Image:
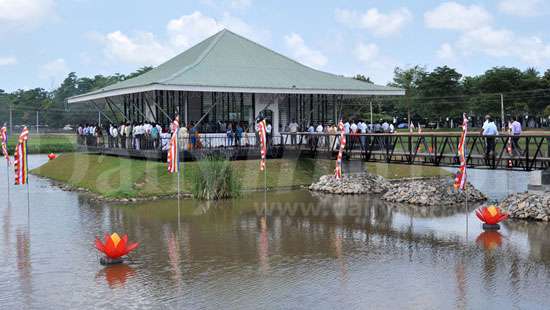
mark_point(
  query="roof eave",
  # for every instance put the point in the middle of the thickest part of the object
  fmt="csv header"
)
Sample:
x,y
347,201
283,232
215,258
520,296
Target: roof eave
x,y
231,89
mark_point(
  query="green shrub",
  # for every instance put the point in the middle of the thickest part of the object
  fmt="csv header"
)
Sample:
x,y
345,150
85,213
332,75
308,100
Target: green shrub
x,y
215,179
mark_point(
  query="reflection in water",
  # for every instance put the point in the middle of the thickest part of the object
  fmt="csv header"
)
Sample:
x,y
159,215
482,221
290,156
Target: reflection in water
x,y
116,275
6,227
338,250
460,275
263,246
301,251
23,244
174,256
489,240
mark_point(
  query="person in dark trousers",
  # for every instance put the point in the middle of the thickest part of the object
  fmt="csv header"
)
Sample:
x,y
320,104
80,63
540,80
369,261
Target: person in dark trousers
x,y
490,132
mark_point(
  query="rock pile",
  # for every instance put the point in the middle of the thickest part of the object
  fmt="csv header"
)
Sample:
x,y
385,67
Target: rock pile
x,y
528,206
361,183
432,192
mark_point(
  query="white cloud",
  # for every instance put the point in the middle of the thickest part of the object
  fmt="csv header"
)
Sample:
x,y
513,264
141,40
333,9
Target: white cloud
x,y
451,15
190,29
140,49
144,48
446,52
7,61
25,12
367,53
378,66
303,53
55,71
504,43
521,8
378,23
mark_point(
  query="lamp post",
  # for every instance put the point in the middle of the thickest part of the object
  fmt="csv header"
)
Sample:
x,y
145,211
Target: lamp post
x,y
502,110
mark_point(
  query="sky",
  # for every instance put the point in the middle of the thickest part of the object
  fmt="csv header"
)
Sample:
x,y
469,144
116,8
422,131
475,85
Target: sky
x,y
41,41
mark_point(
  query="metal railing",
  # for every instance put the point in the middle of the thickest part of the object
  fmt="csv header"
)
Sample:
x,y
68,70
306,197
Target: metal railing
x,y
523,152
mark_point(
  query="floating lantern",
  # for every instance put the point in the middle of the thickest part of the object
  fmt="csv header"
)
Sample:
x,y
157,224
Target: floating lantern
x,y
52,156
114,248
491,216
489,240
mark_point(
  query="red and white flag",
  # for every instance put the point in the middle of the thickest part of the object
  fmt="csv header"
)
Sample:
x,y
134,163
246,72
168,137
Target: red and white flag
x,y
173,150
262,133
20,163
460,178
338,170
4,133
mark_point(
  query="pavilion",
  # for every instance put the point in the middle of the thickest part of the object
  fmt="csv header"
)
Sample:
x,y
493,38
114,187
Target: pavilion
x,y
228,78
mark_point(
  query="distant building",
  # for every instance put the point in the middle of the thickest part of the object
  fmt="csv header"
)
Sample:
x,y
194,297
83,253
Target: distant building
x,y
228,78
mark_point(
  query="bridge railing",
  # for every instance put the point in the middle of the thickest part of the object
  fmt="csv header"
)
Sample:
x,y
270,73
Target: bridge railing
x,y
526,152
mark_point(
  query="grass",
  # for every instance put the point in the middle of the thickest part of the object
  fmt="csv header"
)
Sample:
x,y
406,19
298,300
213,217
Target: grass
x,y
126,178
46,143
215,179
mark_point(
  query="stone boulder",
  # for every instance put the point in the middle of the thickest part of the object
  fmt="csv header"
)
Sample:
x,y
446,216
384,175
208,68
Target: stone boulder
x,y
361,183
431,192
528,206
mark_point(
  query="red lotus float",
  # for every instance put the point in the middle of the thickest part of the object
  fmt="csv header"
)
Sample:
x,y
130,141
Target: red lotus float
x,y
114,248
52,156
491,216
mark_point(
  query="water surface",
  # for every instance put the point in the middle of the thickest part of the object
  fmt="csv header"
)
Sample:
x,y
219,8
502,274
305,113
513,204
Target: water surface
x,y
299,251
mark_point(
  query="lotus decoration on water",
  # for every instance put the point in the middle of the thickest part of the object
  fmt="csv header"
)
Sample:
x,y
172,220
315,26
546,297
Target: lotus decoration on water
x,y
491,216
114,248
52,156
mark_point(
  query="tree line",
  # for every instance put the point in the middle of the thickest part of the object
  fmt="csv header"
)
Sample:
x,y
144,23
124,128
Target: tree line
x,y
52,105
431,96
444,93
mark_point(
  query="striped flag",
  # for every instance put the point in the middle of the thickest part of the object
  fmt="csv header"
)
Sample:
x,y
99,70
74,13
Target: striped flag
x,y
173,151
460,178
20,163
263,143
338,170
4,133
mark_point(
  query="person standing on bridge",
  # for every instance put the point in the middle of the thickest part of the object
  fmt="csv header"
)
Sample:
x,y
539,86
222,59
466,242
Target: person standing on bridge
x,y
293,128
489,131
516,132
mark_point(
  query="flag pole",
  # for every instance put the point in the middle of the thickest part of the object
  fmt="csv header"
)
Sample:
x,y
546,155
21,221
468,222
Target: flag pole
x,y
8,178
27,183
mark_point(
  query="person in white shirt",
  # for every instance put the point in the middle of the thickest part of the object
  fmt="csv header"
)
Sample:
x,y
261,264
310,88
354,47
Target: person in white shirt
x,y
319,130
392,128
346,127
268,132
293,128
353,127
489,131
113,133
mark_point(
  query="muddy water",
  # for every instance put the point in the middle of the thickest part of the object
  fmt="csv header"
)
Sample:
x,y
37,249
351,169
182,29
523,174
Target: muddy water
x,y
299,251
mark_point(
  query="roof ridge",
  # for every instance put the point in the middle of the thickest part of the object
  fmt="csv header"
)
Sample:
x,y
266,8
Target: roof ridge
x,y
284,56
201,57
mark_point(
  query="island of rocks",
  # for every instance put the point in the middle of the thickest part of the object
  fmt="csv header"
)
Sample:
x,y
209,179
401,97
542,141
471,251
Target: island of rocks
x,y
527,206
424,192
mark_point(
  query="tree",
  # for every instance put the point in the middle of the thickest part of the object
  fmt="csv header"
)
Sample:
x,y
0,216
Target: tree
x,y
361,77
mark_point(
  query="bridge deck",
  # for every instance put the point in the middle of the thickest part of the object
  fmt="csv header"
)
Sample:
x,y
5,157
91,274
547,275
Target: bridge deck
x,y
525,152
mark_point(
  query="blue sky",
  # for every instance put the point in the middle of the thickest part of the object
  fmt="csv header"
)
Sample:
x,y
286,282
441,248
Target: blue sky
x,y
42,40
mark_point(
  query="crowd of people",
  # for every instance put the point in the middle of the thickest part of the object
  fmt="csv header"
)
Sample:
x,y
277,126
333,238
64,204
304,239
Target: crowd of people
x,y
352,129
149,135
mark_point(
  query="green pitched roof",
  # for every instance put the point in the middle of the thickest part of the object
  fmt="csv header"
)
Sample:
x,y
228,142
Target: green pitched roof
x,y
229,61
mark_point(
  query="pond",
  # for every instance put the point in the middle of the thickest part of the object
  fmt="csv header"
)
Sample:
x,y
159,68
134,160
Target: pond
x,y
299,251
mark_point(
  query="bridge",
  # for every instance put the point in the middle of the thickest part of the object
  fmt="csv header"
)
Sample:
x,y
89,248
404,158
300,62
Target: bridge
x,y
529,151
